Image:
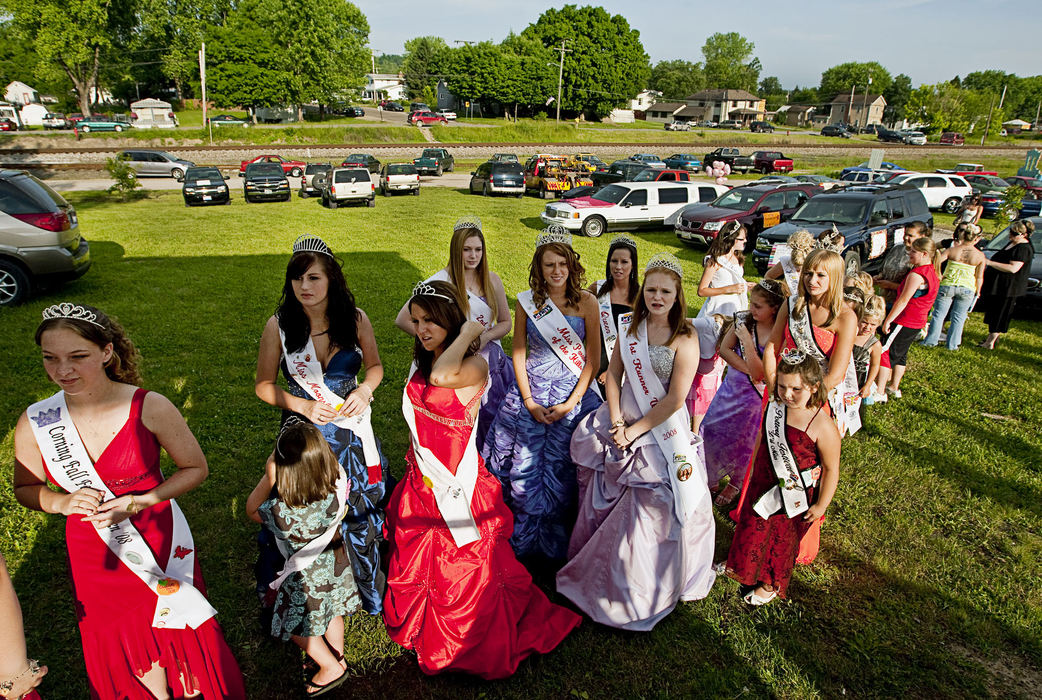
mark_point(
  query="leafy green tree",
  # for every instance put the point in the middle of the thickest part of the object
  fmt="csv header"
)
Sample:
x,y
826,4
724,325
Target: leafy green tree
x,y
245,67
17,56
178,27
529,79
426,60
896,96
607,64
677,79
74,37
771,86
944,107
804,96
729,62
389,63
838,80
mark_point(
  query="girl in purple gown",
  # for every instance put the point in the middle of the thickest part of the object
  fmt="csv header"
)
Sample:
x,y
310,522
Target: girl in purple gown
x,y
733,420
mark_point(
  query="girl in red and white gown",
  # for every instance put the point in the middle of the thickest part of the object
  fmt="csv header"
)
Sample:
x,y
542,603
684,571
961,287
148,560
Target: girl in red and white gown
x,y
467,607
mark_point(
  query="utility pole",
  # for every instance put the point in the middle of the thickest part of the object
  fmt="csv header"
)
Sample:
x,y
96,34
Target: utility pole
x,y
1037,111
560,76
850,107
202,79
864,103
1003,98
987,127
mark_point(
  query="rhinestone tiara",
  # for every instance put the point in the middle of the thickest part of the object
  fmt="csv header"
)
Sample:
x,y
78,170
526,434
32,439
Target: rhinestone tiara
x,y
423,289
467,222
772,286
290,422
666,261
793,356
74,312
310,243
554,233
623,239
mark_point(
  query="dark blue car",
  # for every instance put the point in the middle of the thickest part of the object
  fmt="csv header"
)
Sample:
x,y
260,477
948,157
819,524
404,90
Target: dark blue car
x,y
991,201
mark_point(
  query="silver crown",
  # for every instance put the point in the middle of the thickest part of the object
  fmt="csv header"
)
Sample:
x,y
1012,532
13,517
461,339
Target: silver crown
x,y
467,222
74,312
666,261
793,356
829,240
623,239
422,289
771,286
310,243
850,296
290,422
554,233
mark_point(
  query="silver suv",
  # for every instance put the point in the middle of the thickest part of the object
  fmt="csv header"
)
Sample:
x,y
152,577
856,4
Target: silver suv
x,y
40,238
347,185
156,164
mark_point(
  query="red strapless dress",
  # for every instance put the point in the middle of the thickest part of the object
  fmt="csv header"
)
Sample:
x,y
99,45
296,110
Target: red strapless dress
x,y
115,608
473,608
811,541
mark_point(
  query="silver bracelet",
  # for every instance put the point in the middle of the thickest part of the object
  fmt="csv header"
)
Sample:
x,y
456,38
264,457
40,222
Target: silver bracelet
x,y
33,667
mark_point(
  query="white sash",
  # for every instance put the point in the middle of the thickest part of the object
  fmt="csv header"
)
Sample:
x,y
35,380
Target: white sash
x,y
673,435
739,318
480,311
791,491
178,603
553,327
792,275
452,492
306,555
844,410
307,373
609,334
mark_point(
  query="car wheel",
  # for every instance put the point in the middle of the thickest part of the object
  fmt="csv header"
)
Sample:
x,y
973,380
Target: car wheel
x,y
295,172
304,194
228,202
247,198
451,168
485,191
118,128
951,205
331,203
85,129
439,171
178,174
14,284
371,202
594,226
851,262
187,203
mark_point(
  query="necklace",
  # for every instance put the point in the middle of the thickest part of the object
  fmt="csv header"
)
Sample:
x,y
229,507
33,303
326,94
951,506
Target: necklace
x,y
315,335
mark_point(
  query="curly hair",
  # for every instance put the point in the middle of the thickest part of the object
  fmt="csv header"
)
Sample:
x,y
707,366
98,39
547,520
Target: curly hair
x,y
800,244
123,365
576,274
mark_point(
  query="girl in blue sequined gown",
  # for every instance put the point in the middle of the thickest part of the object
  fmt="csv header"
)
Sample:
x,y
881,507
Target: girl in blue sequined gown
x,y
527,444
316,305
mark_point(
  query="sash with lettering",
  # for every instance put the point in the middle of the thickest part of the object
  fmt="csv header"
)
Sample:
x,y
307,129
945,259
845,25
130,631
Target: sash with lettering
x,y
844,410
790,493
740,319
452,492
609,333
307,373
673,435
306,555
178,603
553,327
480,311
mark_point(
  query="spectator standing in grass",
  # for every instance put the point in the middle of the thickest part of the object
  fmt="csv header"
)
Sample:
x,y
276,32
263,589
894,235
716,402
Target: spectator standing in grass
x,y
960,286
1006,279
321,341
895,265
970,212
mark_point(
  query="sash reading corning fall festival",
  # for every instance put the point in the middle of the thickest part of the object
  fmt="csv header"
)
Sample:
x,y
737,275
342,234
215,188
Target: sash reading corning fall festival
x,y
178,603
673,435
555,330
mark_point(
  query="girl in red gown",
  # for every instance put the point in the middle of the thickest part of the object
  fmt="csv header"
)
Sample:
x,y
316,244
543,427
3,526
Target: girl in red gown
x,y
122,428
766,539
456,594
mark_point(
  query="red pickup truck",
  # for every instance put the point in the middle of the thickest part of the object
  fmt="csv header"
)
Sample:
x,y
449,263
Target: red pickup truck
x,y
771,162
293,168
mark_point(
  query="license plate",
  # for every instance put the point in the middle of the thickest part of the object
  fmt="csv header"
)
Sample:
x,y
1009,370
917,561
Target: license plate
x,y
267,191
207,198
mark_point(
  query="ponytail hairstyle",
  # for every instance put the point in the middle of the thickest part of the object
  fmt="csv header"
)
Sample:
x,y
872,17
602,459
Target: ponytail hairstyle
x,y
832,264
809,371
800,244
634,282
1022,227
855,300
966,233
305,468
926,245
724,242
457,272
103,330
444,311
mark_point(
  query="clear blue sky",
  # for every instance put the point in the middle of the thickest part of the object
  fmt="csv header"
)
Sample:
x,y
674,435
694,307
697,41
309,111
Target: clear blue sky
x,y
929,40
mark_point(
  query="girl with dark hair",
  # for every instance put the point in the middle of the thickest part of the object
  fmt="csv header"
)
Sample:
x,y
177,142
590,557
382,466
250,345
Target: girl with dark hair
x,y
146,626
321,342
1006,279
527,447
644,537
616,294
482,298
316,588
723,281
792,482
456,594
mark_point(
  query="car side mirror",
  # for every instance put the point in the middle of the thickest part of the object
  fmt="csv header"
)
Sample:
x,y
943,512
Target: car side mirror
x,y
473,173
626,204
225,176
761,209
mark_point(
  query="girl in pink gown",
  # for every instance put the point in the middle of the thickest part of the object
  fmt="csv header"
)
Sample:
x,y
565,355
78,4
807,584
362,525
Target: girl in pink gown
x,y
456,593
90,358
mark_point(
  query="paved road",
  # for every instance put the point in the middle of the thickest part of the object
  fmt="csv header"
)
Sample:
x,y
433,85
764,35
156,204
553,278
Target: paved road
x,y
457,180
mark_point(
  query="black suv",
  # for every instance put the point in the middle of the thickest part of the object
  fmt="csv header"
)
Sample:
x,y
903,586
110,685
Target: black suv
x,y
761,127
619,171
835,130
872,219
265,181
889,135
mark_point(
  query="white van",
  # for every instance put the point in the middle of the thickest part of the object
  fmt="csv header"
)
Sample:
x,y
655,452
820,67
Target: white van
x,y
629,205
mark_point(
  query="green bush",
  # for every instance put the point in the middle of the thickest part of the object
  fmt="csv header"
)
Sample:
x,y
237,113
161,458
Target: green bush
x,y
125,178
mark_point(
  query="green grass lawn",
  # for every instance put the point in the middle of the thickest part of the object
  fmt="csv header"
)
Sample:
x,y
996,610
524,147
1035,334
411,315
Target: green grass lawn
x,y
927,584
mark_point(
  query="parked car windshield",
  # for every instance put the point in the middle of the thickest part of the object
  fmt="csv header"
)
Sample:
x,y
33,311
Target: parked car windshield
x,y
823,210
401,169
507,168
739,199
612,194
203,174
264,170
351,176
317,168
428,153
648,175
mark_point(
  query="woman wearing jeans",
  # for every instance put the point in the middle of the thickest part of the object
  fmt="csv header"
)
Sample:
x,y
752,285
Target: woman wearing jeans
x,y
960,286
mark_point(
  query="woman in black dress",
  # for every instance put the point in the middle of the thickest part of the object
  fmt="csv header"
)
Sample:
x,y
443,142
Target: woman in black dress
x,y
1006,279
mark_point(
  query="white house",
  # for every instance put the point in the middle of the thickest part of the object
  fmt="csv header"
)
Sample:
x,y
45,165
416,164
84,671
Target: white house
x,y
383,86
33,114
644,99
18,92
